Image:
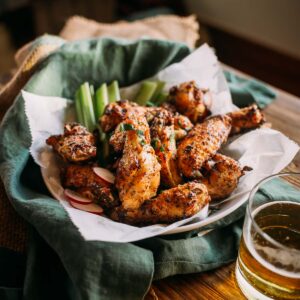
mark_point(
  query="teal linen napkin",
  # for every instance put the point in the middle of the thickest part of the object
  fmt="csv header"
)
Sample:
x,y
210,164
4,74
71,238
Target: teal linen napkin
x,y
97,270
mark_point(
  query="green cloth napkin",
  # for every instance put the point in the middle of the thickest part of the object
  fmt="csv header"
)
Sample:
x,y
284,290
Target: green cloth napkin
x,y
60,264
246,91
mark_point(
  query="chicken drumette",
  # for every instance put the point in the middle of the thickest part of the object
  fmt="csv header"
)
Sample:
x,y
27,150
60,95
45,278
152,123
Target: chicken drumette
x,y
221,176
169,206
75,145
201,143
191,101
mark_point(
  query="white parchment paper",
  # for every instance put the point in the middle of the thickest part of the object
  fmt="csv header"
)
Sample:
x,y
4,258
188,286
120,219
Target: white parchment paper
x,y
267,151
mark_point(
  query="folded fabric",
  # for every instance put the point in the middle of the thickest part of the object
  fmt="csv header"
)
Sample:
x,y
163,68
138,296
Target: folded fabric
x,y
245,91
97,270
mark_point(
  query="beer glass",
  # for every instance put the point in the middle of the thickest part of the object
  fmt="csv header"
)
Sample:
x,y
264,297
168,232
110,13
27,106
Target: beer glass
x,y
268,265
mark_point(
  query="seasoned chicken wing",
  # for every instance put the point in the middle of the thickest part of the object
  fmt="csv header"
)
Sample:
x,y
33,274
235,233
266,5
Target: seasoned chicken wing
x,y
164,144
119,111
222,175
138,172
75,145
104,196
190,101
77,176
201,143
171,205
246,118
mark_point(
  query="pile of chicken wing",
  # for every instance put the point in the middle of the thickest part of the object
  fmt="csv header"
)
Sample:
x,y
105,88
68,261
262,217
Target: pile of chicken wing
x,y
166,159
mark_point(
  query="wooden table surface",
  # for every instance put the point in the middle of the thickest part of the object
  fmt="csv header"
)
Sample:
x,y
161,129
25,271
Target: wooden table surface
x,y
284,114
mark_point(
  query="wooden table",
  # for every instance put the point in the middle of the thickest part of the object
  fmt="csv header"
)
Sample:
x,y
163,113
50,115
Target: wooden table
x,y
284,114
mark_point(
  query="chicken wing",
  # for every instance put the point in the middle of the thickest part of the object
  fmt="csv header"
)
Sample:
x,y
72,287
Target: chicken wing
x,y
246,118
104,196
201,143
164,144
75,145
77,176
119,111
171,205
222,175
138,172
189,100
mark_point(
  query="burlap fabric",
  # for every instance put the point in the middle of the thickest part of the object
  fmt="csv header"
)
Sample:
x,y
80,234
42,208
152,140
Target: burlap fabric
x,y
13,233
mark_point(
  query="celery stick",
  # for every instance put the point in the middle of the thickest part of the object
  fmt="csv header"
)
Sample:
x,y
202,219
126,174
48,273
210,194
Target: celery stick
x,y
158,90
87,106
92,90
114,91
145,93
161,98
101,100
78,108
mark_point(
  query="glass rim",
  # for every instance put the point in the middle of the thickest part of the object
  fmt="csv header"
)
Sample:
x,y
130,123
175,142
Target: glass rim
x,y
249,205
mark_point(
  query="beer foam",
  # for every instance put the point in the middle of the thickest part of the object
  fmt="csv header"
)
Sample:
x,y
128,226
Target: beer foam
x,y
275,255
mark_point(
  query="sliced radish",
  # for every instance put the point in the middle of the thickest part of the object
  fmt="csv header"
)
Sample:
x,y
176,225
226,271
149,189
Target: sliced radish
x,y
91,208
75,197
104,174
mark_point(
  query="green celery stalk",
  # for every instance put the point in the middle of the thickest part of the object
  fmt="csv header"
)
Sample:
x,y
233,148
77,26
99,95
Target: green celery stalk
x,y
78,108
161,98
92,90
114,91
87,106
101,100
158,90
145,93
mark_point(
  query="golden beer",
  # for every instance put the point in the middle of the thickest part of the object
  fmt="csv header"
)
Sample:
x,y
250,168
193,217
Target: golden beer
x,y
270,268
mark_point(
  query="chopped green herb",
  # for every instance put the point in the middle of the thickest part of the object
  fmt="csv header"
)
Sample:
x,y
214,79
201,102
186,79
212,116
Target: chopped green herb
x,y
162,149
126,127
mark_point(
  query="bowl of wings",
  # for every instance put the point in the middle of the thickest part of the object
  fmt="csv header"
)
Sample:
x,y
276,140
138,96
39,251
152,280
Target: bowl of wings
x,y
161,163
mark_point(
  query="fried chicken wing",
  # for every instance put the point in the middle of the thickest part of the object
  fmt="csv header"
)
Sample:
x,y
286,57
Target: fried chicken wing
x,y
138,172
201,143
171,205
77,176
222,175
164,144
119,111
189,100
75,145
104,196
246,118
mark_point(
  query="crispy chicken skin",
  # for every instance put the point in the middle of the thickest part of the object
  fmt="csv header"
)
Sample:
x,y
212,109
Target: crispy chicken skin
x,y
171,205
189,100
164,144
119,111
75,145
222,175
246,118
104,196
201,143
138,172
77,176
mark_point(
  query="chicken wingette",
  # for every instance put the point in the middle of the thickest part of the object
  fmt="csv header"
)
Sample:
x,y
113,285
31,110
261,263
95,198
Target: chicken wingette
x,y
164,144
75,145
169,206
85,182
246,118
138,171
189,100
201,143
221,176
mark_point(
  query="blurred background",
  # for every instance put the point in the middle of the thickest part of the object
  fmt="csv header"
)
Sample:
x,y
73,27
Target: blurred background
x,y
258,37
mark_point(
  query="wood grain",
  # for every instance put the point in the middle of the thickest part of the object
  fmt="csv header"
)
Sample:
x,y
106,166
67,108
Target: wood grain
x,y
284,114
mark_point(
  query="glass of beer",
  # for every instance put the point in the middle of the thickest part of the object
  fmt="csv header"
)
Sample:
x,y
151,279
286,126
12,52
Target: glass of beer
x,y
268,265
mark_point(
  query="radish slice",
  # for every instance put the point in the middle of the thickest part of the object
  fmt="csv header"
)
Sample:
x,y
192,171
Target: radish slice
x,y
91,208
104,174
75,197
